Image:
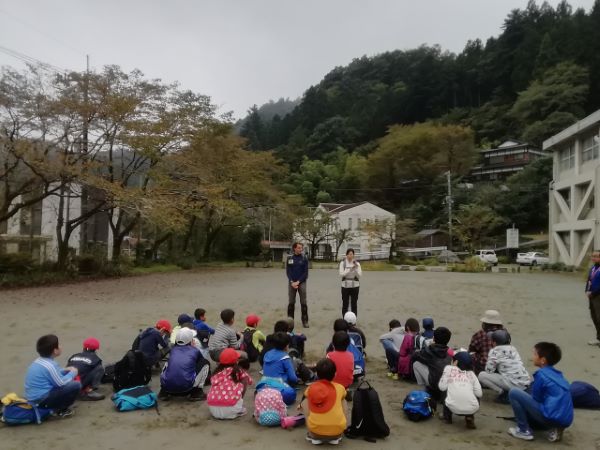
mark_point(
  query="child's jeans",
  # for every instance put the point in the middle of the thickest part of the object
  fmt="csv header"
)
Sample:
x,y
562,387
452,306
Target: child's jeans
x,y
93,378
528,412
391,355
61,398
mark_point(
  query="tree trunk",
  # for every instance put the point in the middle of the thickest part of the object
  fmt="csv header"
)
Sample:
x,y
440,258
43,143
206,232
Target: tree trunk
x,y
158,242
188,235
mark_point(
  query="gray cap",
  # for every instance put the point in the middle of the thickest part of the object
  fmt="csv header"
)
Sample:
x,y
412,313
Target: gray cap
x,y
500,337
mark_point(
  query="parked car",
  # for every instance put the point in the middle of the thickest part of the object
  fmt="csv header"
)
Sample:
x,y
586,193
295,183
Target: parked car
x,y
487,256
532,259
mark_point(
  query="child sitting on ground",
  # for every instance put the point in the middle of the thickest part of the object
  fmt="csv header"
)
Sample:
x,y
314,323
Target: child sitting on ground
x,y
412,342
391,343
281,326
186,371
225,336
428,328
297,341
354,332
343,359
200,321
504,369
324,406
154,342
89,368
359,360
47,384
254,339
182,320
277,362
269,407
463,389
430,362
228,385
550,405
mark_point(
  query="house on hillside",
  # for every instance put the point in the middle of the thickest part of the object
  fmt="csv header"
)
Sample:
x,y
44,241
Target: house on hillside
x,y
352,217
574,219
429,238
508,158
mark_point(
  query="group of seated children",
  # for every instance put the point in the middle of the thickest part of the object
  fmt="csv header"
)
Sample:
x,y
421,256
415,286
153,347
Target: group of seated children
x,y
456,377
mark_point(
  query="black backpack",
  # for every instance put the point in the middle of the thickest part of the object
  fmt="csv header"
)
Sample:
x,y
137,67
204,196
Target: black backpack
x,y
131,371
367,415
248,346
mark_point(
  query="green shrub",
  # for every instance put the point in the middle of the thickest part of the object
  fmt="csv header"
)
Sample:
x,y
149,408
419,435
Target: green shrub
x,y
186,263
430,262
16,263
89,264
504,260
420,268
558,267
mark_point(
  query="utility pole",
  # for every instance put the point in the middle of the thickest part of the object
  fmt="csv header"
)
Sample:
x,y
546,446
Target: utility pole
x,y
449,203
85,150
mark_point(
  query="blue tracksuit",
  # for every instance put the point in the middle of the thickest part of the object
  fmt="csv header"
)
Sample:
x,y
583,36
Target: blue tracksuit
x,y
593,282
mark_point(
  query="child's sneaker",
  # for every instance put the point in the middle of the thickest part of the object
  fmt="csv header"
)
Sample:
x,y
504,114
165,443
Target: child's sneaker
x,y
390,374
335,441
555,435
163,395
197,395
517,433
64,413
313,441
395,377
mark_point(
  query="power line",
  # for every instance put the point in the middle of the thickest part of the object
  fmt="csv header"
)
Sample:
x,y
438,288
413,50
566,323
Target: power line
x,y
34,61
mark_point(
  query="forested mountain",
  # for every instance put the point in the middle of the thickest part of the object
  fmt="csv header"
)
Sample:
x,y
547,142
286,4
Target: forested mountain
x,y
541,74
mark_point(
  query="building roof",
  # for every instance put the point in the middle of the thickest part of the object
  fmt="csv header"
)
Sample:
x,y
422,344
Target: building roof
x,y
429,232
276,244
583,125
508,145
339,207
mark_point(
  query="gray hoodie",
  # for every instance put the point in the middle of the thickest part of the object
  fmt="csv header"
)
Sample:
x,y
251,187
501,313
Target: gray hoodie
x,y
505,360
396,336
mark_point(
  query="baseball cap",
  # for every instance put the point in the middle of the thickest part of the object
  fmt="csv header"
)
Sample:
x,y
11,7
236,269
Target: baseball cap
x,y
185,336
228,357
252,320
164,324
91,343
184,318
500,337
464,360
321,396
350,318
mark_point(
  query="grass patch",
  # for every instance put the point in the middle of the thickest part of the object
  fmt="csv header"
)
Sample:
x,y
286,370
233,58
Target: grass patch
x,y
224,264
382,266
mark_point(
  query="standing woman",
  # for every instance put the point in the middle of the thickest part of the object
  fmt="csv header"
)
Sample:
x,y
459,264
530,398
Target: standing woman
x,y
350,271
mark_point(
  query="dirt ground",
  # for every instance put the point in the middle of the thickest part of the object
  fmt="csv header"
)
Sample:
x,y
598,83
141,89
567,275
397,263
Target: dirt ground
x,y
534,306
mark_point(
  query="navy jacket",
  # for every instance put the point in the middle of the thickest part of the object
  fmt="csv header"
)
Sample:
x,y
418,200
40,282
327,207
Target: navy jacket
x,y
181,370
593,284
149,342
297,268
84,362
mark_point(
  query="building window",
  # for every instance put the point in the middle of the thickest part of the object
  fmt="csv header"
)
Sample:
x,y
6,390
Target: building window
x,y
349,223
567,158
519,156
590,148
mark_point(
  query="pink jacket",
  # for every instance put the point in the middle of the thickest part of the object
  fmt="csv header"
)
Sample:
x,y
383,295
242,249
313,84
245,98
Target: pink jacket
x,y
405,355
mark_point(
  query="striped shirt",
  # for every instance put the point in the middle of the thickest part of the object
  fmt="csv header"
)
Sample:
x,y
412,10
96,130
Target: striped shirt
x,y
43,375
224,337
505,360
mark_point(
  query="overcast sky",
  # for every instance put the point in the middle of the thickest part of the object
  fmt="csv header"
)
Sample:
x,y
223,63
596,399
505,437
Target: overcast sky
x,y
240,52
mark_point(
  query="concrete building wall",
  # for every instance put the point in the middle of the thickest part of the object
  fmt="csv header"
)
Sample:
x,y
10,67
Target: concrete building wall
x,y
50,212
574,215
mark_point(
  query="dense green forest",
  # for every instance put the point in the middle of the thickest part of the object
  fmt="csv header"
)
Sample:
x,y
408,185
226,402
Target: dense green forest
x,y
352,136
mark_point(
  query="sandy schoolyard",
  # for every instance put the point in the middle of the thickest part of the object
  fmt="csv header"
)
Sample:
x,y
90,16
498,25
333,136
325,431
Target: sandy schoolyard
x,y
534,307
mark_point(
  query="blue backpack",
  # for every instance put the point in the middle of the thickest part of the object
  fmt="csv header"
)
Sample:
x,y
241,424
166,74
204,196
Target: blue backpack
x,y
584,395
139,397
359,360
22,413
417,406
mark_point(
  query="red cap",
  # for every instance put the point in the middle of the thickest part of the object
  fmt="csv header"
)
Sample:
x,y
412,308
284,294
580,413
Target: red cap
x,y
229,357
252,320
91,343
163,324
321,396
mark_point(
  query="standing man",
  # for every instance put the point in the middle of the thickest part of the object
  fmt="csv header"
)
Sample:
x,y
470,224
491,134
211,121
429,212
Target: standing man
x,y
592,290
297,274
350,271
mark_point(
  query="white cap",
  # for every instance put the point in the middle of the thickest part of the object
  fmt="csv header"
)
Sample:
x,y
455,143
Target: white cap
x,y
350,318
185,336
